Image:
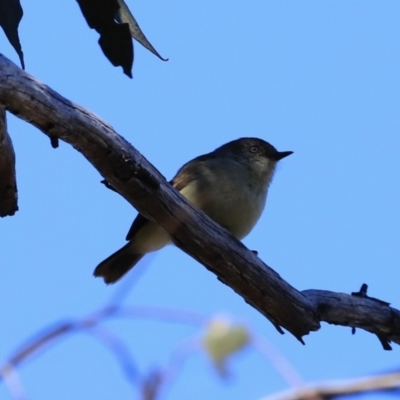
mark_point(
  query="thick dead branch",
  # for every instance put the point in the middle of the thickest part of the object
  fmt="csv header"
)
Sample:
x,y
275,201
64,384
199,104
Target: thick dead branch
x,y
144,187
8,183
384,383
370,314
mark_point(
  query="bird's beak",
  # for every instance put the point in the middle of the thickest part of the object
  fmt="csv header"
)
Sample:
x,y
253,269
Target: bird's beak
x,y
281,154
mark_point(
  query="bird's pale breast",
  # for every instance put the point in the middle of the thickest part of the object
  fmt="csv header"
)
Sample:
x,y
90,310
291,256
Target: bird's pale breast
x,y
232,203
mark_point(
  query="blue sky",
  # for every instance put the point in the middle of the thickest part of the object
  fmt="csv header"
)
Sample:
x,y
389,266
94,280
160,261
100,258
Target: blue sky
x,y
320,78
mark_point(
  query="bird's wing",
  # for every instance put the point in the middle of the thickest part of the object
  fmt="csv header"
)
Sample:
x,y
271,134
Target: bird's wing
x,y
140,221
182,179
189,172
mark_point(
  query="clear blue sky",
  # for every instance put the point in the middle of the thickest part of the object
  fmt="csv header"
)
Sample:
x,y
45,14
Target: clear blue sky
x,y
320,78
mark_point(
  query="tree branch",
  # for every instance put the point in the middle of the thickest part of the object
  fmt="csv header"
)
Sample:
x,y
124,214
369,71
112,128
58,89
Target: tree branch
x,y
147,190
389,383
8,183
370,314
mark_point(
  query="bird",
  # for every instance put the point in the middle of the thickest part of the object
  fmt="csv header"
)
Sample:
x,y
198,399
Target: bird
x,y
229,184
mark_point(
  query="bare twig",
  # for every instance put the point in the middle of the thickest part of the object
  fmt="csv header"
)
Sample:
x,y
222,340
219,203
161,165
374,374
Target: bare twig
x,y
278,361
123,290
158,381
90,324
14,385
8,182
120,350
43,340
161,314
385,383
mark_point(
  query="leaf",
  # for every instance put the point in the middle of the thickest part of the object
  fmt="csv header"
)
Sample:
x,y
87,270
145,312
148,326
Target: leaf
x,y
10,16
222,340
125,15
115,39
117,46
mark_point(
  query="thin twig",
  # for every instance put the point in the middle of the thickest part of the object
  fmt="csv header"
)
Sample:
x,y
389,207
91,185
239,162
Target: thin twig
x,y
385,383
48,336
130,281
278,361
14,385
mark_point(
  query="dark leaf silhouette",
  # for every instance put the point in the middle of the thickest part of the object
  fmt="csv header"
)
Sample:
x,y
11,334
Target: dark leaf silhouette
x,y
115,39
10,16
117,46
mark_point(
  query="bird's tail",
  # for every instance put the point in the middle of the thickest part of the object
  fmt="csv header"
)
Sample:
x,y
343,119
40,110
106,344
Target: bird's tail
x,y
118,264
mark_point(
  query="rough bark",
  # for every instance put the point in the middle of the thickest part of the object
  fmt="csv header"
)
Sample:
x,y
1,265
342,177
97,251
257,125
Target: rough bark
x,y
8,183
192,231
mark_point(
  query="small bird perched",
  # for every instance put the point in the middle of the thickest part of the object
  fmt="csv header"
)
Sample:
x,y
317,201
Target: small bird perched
x,y
229,184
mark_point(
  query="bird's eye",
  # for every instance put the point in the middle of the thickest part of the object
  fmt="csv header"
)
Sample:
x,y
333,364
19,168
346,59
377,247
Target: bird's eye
x,y
253,149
